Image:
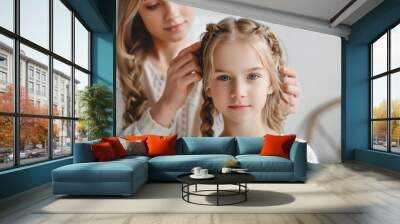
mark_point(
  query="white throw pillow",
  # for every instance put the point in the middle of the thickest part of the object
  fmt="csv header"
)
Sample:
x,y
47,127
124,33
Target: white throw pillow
x,y
134,147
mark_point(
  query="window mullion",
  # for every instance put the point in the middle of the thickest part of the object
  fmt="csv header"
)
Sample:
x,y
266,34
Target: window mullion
x,y
389,106
50,81
73,82
16,84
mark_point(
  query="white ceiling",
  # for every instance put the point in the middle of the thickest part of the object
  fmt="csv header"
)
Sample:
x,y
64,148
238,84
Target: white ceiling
x,y
314,15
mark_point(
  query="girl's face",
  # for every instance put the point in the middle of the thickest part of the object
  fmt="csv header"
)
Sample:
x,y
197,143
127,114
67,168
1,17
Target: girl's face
x,y
240,83
165,20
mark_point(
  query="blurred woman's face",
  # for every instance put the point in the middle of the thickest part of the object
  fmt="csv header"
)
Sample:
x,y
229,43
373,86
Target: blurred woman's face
x,y
165,20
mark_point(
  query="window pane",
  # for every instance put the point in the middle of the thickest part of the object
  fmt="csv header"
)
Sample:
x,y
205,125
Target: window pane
x,y
395,94
379,135
81,131
62,29
62,138
395,136
34,97
7,14
35,21
81,45
379,55
6,74
395,47
379,100
33,140
62,89
6,142
81,81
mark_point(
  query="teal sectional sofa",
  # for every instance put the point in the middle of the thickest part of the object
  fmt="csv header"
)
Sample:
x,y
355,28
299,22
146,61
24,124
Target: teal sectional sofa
x,y
125,176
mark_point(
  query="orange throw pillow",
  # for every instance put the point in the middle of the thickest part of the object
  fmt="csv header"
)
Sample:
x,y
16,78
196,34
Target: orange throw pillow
x,y
116,145
161,145
136,137
277,145
103,151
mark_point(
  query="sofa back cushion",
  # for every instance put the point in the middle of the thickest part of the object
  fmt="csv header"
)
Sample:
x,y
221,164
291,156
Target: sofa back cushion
x,y
249,145
206,145
83,152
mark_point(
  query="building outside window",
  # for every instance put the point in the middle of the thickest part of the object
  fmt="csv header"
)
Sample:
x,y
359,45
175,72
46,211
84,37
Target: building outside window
x,y
43,78
43,90
3,61
30,87
3,78
38,89
3,72
30,72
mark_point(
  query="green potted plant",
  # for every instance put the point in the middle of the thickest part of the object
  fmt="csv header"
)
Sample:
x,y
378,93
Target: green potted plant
x,y
96,103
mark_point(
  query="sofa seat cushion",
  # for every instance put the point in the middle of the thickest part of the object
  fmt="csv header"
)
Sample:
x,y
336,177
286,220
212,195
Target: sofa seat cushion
x,y
257,163
111,171
133,158
185,163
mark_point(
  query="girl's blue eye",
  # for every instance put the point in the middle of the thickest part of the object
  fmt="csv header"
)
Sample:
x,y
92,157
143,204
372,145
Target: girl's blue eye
x,y
253,76
223,78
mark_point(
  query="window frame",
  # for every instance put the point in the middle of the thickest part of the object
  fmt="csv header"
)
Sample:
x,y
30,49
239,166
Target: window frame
x,y
16,115
388,74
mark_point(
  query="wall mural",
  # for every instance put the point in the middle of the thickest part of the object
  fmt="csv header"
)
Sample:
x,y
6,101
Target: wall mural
x,y
195,72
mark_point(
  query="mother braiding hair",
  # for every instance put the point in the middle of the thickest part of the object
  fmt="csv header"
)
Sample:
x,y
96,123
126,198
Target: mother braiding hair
x,y
133,43
268,48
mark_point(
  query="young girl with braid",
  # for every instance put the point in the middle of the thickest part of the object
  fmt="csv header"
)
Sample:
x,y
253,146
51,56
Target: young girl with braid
x,y
159,82
241,60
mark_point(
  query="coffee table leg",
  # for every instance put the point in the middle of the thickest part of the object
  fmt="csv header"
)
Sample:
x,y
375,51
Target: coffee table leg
x,y
196,188
217,194
245,191
188,189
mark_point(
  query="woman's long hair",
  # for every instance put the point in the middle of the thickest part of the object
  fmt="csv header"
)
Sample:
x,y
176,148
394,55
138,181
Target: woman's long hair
x,y
268,48
133,42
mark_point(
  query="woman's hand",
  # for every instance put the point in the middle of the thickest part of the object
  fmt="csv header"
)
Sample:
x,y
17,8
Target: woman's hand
x,y
182,74
291,90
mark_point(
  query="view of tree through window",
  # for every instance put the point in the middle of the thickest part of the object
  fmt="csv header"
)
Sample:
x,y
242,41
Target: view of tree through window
x,y
40,124
385,91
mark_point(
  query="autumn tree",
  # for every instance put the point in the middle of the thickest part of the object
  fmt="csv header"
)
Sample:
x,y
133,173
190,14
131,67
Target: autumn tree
x,y
33,131
380,127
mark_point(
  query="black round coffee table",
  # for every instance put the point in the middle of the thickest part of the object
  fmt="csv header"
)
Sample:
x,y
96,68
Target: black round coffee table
x,y
238,179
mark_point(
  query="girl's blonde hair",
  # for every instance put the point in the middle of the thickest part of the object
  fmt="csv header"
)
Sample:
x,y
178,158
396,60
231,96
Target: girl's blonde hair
x,y
133,43
268,48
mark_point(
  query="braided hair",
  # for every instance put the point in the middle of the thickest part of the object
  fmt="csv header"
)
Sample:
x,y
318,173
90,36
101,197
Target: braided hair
x,y
268,48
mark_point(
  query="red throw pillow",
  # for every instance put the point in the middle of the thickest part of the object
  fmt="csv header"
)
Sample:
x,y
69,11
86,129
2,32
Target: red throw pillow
x,y
277,145
116,145
103,151
161,145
